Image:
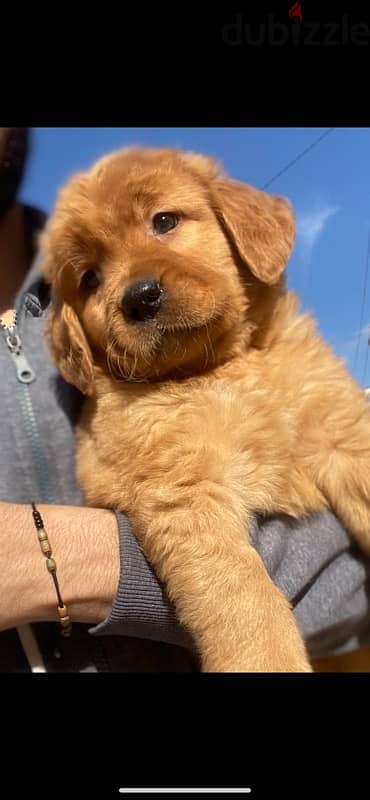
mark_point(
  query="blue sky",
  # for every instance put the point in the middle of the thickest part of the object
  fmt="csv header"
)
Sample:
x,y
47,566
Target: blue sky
x,y
329,188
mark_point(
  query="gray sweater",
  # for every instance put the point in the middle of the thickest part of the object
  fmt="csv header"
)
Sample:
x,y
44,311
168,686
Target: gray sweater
x,y
313,561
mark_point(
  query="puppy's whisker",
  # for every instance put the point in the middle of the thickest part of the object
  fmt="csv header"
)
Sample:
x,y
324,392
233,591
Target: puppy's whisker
x,y
114,360
144,358
210,346
120,367
205,364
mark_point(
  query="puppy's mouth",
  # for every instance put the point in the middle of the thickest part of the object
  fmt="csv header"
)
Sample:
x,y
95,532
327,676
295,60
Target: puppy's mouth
x,y
153,335
153,348
180,326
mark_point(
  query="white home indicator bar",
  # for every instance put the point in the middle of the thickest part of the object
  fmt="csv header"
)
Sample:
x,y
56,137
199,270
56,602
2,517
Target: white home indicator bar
x,y
188,790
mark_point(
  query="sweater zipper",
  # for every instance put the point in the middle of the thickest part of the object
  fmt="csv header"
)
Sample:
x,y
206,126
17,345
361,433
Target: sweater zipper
x,y
25,373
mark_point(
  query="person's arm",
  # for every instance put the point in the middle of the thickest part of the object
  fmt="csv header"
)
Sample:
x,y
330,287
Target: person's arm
x,y
85,547
105,581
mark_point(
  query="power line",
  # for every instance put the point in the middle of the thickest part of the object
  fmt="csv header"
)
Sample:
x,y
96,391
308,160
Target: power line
x,y
364,290
282,172
365,367
298,157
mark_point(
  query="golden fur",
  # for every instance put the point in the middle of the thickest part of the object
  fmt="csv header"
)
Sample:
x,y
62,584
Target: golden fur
x,y
225,404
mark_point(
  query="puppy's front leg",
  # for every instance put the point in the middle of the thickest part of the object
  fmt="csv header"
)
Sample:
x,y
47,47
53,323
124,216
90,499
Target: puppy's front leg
x,y
337,456
239,619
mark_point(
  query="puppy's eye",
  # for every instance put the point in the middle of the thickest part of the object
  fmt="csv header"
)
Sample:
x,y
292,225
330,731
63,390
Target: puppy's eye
x,y
90,280
164,221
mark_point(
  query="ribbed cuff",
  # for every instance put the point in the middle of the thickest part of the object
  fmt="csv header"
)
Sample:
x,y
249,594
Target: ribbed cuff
x,y
141,607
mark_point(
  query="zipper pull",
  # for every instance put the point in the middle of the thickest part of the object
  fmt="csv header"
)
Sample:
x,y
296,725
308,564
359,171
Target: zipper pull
x,y
25,373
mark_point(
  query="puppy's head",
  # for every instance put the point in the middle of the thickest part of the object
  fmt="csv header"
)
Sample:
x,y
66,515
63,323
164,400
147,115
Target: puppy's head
x,y
157,264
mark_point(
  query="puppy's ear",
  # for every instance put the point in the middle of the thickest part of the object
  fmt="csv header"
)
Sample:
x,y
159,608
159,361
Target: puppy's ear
x,y
69,347
261,226
66,339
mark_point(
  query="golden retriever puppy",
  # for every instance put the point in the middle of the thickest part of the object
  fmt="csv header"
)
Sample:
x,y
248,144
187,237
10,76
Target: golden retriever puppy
x,y
209,396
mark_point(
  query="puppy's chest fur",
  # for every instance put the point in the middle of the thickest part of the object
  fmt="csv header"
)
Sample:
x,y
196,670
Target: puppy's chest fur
x,y
166,443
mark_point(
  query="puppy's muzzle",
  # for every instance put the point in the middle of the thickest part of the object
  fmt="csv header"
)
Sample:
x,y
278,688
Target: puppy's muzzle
x,y
142,300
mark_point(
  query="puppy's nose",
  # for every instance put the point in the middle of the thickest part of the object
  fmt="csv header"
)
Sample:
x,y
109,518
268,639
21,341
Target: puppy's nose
x,y
142,300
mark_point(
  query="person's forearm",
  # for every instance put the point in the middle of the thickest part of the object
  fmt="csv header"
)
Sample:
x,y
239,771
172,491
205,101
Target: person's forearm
x,y
85,546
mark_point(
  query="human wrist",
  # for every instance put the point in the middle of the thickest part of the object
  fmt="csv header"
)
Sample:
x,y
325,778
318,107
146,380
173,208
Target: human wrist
x,y
85,548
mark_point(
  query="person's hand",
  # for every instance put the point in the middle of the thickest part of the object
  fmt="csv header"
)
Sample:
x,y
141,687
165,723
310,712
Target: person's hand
x,y
85,546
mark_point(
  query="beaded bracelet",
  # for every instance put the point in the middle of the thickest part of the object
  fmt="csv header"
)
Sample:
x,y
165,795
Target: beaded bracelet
x,y
64,618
